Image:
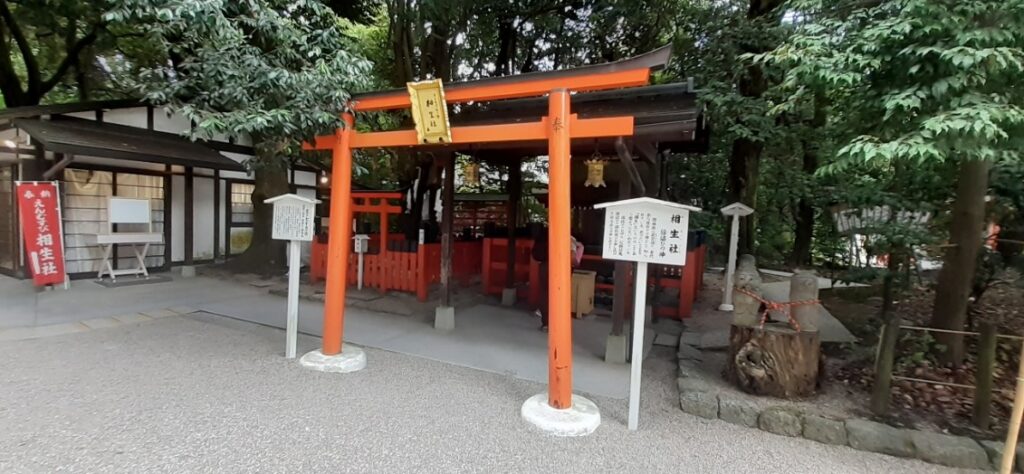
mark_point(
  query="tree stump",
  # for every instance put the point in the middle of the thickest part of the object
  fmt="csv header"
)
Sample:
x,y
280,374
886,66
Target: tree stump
x,y
776,361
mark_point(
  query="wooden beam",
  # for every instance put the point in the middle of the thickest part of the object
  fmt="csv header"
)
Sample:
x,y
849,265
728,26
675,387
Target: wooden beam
x,y
59,166
216,214
515,185
627,162
447,225
512,132
189,215
399,99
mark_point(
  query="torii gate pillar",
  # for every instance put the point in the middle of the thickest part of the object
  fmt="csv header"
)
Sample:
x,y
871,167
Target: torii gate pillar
x,y
559,412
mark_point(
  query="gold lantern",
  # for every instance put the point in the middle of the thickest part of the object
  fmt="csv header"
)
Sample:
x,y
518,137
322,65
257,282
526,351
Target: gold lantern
x,y
595,171
471,173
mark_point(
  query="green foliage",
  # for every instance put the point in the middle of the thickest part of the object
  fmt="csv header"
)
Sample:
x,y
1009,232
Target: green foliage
x,y
917,80
278,71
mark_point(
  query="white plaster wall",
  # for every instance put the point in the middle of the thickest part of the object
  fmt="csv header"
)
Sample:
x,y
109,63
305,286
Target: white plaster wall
x,y
173,123
177,218
133,117
202,243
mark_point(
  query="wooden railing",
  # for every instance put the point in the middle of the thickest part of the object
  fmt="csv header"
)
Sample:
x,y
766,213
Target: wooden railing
x,y
402,266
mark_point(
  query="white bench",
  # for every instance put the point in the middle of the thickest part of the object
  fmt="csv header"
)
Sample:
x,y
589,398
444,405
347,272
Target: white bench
x,y
127,211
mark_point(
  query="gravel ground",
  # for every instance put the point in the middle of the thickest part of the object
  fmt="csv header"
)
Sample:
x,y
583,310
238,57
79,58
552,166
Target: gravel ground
x,y
207,394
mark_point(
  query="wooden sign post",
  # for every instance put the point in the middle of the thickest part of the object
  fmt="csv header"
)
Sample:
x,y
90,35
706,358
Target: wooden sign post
x,y
736,210
362,244
643,230
293,221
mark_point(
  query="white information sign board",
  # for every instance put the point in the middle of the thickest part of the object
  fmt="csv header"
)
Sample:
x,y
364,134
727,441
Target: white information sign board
x,y
646,230
643,230
293,221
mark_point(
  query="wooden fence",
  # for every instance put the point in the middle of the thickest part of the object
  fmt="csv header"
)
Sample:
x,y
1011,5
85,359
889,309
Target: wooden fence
x,y
402,266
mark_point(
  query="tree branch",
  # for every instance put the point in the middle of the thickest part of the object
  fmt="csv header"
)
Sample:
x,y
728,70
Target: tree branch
x,y
10,85
69,60
31,65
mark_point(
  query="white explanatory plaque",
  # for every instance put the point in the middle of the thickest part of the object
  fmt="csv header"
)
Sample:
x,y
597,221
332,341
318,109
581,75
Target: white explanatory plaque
x,y
643,230
293,217
646,230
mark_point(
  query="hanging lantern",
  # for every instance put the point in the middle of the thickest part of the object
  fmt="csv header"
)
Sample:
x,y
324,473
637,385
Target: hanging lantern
x,y
471,173
595,171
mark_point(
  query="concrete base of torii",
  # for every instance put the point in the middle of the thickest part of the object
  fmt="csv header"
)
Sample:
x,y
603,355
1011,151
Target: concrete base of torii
x,y
444,318
350,359
579,420
508,296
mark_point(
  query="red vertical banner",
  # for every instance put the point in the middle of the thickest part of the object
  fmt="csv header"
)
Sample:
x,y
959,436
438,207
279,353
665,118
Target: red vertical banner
x,y
39,213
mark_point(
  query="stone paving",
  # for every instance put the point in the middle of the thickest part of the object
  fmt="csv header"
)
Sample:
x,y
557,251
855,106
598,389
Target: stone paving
x,y
201,393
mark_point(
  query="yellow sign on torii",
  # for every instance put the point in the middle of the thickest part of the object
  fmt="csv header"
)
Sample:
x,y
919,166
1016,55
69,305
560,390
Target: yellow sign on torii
x,y
429,111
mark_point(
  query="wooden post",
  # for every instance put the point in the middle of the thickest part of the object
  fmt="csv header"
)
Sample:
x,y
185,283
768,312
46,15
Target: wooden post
x,y
168,185
983,381
1009,447
447,243
189,215
880,394
515,177
216,214
637,359
620,295
559,263
339,239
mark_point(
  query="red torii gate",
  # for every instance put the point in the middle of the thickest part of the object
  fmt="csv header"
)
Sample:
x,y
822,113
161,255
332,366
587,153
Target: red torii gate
x,y
558,128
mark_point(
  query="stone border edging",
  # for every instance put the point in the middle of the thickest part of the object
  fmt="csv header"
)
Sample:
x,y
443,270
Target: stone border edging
x,y
36,332
698,398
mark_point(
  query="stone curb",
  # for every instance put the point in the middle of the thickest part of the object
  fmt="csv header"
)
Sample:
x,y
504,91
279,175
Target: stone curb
x,y
698,398
94,324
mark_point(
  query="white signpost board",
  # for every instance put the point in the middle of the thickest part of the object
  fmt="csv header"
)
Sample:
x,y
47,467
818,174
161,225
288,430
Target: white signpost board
x,y
643,230
362,245
293,221
736,210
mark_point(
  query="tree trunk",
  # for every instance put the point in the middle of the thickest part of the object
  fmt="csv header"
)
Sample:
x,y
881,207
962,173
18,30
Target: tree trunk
x,y
958,264
745,157
804,231
744,163
777,361
265,255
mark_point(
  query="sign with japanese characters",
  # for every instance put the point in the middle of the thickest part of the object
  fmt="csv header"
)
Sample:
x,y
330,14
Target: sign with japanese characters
x,y
429,111
39,212
646,230
293,217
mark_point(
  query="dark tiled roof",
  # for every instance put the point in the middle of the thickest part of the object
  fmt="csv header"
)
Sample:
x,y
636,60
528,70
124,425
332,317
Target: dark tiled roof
x,y
87,137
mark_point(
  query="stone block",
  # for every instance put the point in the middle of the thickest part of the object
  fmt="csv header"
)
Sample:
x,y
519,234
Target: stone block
x,y
994,450
738,412
188,271
667,340
688,368
947,450
615,348
879,438
824,430
689,338
686,352
444,318
781,421
508,296
702,404
100,323
132,318
692,384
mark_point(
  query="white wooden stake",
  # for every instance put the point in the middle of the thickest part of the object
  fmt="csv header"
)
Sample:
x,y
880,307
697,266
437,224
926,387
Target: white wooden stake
x,y
359,272
736,210
637,362
293,299
730,270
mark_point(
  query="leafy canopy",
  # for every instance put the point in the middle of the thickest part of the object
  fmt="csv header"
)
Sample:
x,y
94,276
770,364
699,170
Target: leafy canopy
x,y
277,71
917,80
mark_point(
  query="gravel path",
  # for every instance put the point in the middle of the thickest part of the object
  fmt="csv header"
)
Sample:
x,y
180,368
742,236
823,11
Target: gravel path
x,y
207,394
